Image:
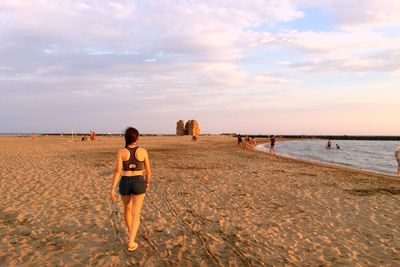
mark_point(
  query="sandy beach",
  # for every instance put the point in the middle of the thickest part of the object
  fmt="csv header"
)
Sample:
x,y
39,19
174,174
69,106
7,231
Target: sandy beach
x,y
210,204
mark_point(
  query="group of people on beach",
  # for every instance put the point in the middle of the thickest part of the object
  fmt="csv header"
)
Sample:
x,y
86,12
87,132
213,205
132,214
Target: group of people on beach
x,y
248,143
92,136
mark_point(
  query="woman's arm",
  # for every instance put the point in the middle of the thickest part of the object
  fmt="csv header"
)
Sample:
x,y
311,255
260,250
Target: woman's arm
x,y
148,170
117,174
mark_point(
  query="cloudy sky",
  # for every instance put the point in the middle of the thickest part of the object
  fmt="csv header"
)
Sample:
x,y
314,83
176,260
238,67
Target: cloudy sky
x,y
260,66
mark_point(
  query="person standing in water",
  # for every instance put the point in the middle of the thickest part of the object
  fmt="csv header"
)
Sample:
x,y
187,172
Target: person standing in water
x,y
272,145
131,163
397,156
329,144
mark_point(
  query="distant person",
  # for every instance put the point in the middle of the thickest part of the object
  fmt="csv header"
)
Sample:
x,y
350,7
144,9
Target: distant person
x,y
246,141
329,144
240,140
253,142
397,156
272,145
92,135
337,146
131,163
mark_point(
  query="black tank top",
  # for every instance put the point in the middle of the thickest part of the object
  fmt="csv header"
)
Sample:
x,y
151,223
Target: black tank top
x,y
132,164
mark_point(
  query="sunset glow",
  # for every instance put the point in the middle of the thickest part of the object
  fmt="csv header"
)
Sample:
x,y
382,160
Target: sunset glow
x,y
280,67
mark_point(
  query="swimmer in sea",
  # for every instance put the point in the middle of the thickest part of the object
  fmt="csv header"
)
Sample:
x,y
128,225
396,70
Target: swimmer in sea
x,y
337,146
131,163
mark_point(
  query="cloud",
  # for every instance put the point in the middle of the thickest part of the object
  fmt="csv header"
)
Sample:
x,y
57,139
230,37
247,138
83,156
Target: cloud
x,y
338,42
167,56
387,61
361,14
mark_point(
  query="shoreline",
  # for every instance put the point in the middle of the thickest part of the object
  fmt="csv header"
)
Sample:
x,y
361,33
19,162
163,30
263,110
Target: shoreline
x,y
330,164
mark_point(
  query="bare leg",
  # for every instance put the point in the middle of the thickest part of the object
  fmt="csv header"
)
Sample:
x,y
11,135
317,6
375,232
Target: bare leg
x,y
128,211
136,208
398,171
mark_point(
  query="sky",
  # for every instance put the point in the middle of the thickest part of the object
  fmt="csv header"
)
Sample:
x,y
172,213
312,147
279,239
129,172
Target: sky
x,y
259,67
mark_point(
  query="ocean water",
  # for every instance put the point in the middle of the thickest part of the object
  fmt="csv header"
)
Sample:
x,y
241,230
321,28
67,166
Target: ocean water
x,y
376,156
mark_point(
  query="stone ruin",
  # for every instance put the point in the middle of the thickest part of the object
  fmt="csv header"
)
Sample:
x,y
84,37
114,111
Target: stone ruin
x,y
180,128
191,127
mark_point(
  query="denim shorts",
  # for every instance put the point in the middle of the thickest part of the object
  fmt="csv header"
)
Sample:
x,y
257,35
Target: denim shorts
x,y
132,185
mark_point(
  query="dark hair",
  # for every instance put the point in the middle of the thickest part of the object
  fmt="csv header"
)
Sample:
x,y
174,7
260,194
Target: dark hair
x,y
131,136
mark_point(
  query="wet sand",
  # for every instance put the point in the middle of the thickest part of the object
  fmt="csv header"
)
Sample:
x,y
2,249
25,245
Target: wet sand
x,y
211,203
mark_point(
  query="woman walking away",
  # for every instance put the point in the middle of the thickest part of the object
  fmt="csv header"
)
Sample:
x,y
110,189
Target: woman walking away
x,y
397,156
131,162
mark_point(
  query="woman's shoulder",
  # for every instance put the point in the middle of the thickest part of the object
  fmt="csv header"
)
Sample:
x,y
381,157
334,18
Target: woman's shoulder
x,y
142,150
